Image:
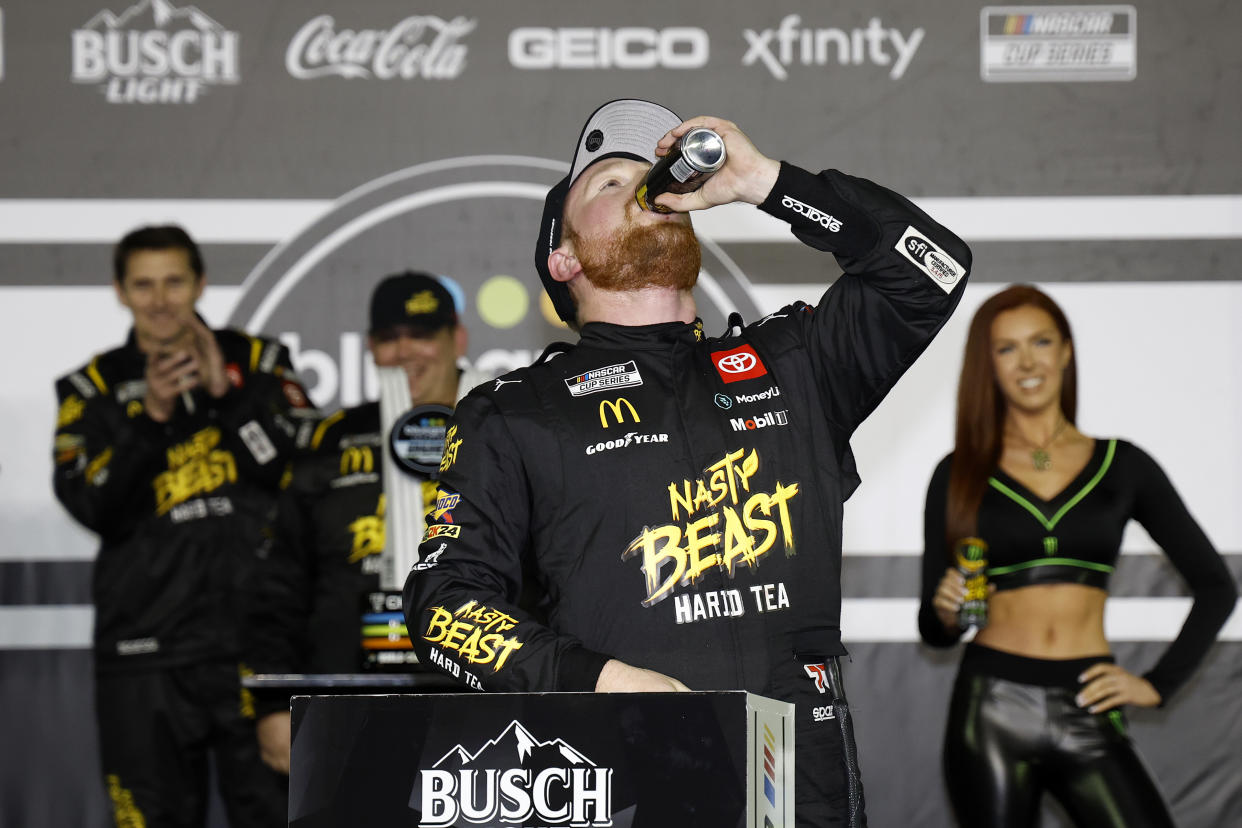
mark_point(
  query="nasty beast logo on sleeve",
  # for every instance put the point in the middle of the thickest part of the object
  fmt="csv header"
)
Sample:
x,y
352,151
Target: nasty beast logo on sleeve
x,y
674,556
474,632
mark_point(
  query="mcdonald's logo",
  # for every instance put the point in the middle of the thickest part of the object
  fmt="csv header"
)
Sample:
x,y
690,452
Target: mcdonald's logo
x,y
615,407
357,459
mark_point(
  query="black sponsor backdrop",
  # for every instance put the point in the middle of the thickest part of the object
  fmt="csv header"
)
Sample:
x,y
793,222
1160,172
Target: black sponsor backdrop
x,y
935,131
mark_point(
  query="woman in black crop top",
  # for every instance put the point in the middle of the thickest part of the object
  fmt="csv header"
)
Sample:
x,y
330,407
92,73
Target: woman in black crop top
x,y
1038,701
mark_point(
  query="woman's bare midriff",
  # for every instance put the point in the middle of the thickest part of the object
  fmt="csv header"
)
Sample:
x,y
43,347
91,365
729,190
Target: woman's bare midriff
x,y
1055,621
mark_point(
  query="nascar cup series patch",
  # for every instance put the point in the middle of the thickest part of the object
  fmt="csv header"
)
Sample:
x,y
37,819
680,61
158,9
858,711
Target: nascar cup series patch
x,y
939,266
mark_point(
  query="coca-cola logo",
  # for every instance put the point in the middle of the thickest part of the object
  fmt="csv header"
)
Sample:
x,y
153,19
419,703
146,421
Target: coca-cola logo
x,y
420,46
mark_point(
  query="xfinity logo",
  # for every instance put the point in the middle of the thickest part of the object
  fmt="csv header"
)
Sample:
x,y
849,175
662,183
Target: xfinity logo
x,y
515,779
772,418
788,44
420,46
154,53
624,48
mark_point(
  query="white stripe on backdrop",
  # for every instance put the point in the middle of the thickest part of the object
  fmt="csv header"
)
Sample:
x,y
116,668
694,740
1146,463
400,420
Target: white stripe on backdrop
x,y
260,221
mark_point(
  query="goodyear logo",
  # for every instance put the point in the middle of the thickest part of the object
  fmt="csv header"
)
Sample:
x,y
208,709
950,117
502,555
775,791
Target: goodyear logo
x,y
617,407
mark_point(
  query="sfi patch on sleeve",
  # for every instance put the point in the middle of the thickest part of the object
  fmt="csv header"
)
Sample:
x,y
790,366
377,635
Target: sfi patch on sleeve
x,y
940,267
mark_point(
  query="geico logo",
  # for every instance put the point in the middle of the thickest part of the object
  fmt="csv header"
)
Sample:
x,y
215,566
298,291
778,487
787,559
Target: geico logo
x,y
823,713
625,48
821,218
633,438
357,459
189,53
772,418
773,391
618,407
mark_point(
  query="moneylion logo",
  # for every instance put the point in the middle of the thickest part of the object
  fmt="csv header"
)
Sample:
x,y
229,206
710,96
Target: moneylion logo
x,y
512,780
154,52
438,208
615,407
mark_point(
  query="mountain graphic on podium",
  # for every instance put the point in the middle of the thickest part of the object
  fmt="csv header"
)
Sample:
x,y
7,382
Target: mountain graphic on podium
x,y
515,747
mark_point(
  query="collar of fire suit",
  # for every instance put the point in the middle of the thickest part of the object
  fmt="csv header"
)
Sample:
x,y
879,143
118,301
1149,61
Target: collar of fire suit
x,y
641,337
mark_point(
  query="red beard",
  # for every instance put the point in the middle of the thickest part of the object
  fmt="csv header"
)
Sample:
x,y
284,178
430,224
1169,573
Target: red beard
x,y
664,255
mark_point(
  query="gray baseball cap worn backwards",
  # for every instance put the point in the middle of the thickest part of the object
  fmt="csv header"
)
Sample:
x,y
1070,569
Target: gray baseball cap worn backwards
x,y
627,128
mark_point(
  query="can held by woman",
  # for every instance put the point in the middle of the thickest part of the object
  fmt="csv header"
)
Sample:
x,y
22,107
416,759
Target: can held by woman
x,y
972,561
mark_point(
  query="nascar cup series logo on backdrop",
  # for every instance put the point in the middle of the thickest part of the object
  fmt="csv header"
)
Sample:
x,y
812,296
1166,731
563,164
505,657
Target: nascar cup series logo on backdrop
x,y
473,220
154,52
420,46
514,780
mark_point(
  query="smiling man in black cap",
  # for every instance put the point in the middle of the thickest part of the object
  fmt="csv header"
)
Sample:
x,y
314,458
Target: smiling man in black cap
x,y
679,497
326,546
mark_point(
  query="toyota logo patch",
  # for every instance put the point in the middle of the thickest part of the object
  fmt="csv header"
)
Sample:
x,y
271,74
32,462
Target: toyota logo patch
x,y
739,363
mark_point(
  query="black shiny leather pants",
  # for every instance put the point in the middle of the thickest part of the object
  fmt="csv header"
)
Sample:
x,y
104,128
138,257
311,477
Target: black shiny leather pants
x,y
1007,742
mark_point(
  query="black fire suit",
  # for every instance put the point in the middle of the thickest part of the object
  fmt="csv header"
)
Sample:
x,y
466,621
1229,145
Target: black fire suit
x,y
681,497
178,507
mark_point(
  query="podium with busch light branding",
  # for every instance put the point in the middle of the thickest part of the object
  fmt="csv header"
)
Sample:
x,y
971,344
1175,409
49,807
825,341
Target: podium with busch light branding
x,y
516,760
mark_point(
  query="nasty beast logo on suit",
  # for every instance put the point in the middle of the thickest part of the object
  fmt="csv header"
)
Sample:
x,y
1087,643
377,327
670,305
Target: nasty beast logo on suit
x,y
718,516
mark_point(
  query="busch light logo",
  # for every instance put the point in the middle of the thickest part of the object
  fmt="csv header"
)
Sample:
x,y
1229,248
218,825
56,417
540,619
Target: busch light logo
x,y
154,53
420,46
514,780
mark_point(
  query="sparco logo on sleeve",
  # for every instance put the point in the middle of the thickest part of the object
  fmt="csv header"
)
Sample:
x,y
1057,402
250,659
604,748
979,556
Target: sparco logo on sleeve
x,y
821,218
154,52
515,779
927,257
420,46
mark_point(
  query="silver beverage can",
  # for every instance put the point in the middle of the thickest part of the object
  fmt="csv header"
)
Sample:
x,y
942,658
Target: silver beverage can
x,y
691,161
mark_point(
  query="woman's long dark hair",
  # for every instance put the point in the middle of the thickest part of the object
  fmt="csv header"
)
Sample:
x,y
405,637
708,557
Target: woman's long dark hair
x,y
981,408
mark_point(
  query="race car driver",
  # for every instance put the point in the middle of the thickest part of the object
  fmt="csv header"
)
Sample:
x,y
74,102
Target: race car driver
x,y
679,496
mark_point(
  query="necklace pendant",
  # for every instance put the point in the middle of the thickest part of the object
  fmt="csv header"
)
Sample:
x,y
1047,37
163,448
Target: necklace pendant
x,y
1042,460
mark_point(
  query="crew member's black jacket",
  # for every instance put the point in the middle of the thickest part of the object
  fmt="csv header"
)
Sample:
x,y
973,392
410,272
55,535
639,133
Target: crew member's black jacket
x,y
325,550
179,505
681,497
